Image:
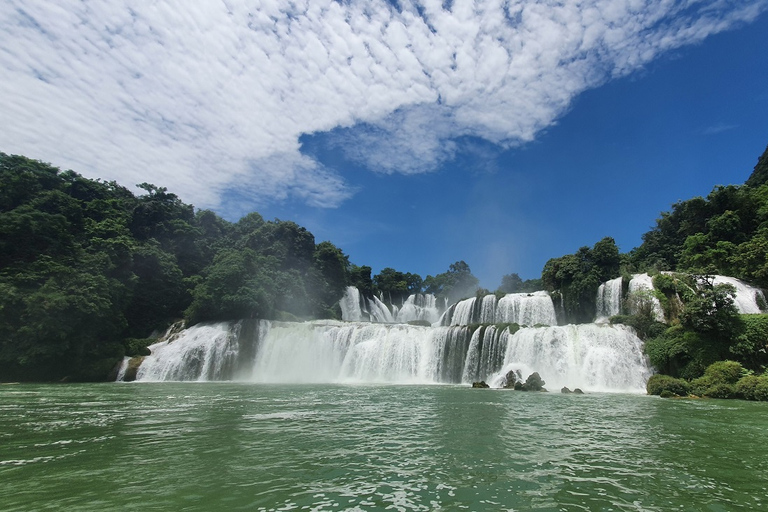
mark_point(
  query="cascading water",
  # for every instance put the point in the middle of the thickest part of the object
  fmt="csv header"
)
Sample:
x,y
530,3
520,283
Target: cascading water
x,y
520,308
608,300
485,355
202,352
591,357
644,283
418,307
357,308
526,309
748,299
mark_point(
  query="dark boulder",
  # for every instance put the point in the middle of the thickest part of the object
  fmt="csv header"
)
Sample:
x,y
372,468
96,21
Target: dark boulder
x,y
133,368
510,380
565,390
578,391
481,384
534,383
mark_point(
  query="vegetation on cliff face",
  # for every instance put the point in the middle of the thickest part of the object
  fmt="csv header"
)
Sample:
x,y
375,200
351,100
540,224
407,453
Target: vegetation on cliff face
x,y
86,267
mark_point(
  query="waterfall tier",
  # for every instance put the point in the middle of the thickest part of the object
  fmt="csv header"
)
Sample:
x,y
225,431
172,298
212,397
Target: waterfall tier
x,y
608,300
602,358
748,299
520,308
357,308
644,282
589,356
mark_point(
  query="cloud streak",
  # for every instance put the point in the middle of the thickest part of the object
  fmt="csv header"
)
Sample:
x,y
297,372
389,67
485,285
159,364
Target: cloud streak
x,y
206,97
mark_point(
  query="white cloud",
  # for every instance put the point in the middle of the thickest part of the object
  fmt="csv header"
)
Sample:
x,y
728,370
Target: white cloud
x,y
203,97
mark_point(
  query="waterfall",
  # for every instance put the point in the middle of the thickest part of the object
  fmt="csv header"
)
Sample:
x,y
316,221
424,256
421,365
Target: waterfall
x,y
485,355
592,357
520,308
357,308
604,358
748,298
640,282
421,307
526,309
608,300
351,305
202,352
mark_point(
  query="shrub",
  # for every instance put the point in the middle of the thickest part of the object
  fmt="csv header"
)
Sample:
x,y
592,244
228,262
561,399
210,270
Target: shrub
x,y
761,390
720,390
752,387
659,383
725,372
138,346
751,346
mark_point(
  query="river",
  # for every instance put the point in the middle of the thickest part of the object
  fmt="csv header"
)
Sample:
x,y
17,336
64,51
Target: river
x,y
228,446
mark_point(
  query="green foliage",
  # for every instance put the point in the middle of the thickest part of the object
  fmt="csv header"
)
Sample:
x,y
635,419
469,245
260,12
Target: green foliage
x,y
456,284
719,380
759,175
659,384
234,288
512,283
87,269
724,233
643,317
751,346
138,346
578,276
674,352
710,311
728,372
360,278
752,387
396,286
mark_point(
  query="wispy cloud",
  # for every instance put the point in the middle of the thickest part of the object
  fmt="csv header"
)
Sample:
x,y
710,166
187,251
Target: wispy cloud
x,y
204,97
719,128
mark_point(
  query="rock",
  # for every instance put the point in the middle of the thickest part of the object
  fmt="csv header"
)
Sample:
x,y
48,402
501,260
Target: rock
x,y
510,380
480,384
578,391
565,390
534,383
133,368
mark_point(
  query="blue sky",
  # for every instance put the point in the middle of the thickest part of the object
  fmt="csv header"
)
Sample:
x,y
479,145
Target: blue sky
x,y
498,133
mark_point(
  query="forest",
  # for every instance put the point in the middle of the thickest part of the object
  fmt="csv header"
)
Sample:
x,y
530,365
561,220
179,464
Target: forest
x,y
89,270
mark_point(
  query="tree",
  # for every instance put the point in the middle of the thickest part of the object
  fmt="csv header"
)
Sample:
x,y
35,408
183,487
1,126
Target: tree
x,y
511,283
396,286
457,283
332,266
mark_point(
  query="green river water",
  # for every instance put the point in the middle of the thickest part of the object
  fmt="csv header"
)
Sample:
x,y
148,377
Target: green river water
x,y
226,446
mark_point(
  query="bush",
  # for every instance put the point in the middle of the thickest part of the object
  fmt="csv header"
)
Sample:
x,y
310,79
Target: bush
x,y
752,387
725,372
659,383
751,346
671,352
138,346
720,390
719,380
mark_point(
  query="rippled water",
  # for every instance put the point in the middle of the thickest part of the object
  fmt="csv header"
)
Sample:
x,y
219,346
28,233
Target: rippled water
x,y
223,446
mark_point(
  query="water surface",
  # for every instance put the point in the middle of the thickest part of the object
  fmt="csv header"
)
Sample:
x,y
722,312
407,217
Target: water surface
x,y
225,446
